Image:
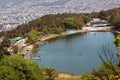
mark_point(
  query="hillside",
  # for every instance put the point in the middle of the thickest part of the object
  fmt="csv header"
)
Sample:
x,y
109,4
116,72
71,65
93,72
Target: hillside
x,y
15,12
58,23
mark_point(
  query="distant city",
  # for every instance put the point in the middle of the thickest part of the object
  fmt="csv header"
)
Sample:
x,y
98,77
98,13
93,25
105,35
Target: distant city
x,y
16,12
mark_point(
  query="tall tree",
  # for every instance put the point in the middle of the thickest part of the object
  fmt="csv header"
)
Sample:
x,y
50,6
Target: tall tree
x,y
102,14
32,36
116,21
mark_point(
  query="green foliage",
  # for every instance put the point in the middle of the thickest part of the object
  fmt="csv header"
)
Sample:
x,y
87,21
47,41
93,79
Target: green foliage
x,y
72,22
104,70
118,54
69,22
8,73
58,30
3,47
35,49
114,77
51,73
102,15
103,73
116,20
117,41
3,52
18,68
87,18
110,67
85,76
32,36
79,23
47,30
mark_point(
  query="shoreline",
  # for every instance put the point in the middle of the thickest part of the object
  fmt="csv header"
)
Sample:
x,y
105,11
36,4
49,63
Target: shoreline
x,y
67,76
52,36
118,32
47,37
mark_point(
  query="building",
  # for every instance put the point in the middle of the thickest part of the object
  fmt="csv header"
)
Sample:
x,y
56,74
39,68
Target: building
x,y
17,44
96,22
14,40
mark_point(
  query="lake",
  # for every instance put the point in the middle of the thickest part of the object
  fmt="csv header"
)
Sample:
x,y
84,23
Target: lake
x,y
76,53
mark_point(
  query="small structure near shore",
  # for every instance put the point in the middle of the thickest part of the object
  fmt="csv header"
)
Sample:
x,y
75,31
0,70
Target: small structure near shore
x,y
98,22
15,40
36,58
19,45
70,31
16,44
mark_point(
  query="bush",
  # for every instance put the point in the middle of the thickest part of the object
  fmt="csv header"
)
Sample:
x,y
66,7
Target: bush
x,y
19,68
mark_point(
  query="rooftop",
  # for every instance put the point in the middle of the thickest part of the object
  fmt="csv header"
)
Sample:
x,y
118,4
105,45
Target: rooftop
x,y
14,40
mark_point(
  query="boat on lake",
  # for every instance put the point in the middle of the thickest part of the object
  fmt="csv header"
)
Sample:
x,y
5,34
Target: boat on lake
x,y
34,58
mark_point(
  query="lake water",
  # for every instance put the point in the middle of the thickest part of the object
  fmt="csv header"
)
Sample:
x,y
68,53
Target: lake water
x,y
74,53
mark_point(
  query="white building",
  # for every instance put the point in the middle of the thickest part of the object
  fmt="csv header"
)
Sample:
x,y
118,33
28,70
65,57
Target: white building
x,y
96,22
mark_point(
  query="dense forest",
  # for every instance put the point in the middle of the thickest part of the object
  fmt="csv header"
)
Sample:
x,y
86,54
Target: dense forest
x,y
55,24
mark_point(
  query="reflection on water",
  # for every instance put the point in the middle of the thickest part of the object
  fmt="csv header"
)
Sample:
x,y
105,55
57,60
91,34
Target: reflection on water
x,y
94,33
75,53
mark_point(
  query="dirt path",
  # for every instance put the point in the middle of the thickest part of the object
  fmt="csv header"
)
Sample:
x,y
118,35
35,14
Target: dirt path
x,y
67,76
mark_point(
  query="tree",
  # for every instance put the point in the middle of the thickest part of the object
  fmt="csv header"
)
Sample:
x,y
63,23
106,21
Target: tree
x,y
45,29
103,70
109,69
19,68
8,73
87,18
78,23
51,73
102,14
68,22
3,47
57,30
32,36
73,23
116,21
110,64
117,41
